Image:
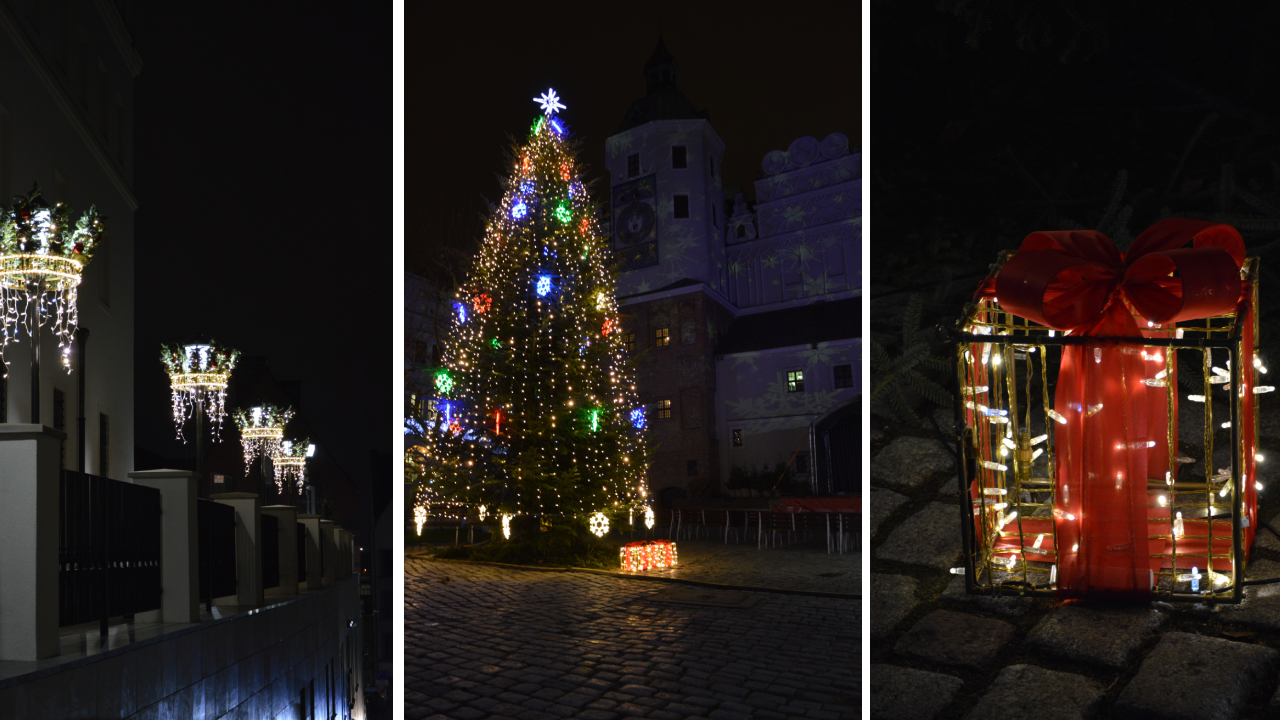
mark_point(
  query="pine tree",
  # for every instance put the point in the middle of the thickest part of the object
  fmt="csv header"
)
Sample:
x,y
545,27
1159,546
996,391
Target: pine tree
x,y
536,413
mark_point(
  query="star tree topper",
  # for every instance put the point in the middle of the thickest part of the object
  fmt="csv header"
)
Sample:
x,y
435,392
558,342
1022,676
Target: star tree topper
x,y
550,102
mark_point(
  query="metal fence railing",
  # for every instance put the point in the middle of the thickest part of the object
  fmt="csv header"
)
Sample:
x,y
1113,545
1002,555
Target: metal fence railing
x,y
108,549
270,551
842,531
217,528
302,553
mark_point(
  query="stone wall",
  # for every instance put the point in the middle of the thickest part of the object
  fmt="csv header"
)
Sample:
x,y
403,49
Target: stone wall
x,y
264,663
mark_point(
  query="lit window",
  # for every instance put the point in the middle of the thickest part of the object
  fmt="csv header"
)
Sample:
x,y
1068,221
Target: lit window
x,y
679,159
737,438
681,206
633,166
843,376
795,381
629,342
662,409
662,337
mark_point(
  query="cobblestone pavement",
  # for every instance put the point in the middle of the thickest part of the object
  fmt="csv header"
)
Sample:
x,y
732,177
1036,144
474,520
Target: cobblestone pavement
x,y
939,653
485,642
799,566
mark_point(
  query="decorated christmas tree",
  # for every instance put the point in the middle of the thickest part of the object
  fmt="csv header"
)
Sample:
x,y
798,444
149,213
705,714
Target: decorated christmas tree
x,y
535,412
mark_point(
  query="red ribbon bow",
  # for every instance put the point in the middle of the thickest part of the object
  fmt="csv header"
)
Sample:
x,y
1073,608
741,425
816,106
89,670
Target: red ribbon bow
x,y
1073,280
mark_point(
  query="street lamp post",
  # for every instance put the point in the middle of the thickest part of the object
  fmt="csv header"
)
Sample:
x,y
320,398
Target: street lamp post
x,y
261,434
198,377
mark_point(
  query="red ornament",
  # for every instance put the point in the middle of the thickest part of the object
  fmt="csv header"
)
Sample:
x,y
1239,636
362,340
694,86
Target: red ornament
x,y
481,303
79,248
565,172
609,326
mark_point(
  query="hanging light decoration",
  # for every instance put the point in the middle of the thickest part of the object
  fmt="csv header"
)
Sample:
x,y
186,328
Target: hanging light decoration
x,y
599,524
42,259
261,430
198,375
292,463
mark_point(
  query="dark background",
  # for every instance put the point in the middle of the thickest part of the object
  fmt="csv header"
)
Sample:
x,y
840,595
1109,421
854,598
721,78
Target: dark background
x,y
994,119
263,151
471,71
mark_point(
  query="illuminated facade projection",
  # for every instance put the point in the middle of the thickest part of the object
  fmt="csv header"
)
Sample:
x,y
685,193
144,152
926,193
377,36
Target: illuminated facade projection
x,y
744,319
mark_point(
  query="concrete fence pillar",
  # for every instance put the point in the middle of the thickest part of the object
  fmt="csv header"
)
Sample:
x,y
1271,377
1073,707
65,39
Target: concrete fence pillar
x,y
315,575
29,538
287,519
179,545
248,546
330,552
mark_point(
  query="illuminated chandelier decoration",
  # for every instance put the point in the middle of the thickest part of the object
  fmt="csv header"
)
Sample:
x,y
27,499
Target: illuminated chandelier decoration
x,y
198,375
42,259
261,432
292,462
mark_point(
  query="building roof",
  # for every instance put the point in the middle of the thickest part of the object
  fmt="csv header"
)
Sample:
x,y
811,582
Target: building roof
x,y
664,101
817,322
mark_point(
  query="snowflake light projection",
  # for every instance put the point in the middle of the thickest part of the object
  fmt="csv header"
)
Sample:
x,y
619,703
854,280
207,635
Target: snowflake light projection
x,y
648,517
42,258
292,463
261,430
599,524
549,102
198,376
506,527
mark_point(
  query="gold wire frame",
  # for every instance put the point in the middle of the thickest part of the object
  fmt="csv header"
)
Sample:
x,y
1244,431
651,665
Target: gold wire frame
x,y
199,381
58,272
262,433
1003,557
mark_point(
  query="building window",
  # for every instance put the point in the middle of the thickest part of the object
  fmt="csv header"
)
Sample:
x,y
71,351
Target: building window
x,y
693,467
682,206
795,381
843,376
413,404
104,445
737,437
662,337
742,230
662,409
679,159
802,463
629,342
633,165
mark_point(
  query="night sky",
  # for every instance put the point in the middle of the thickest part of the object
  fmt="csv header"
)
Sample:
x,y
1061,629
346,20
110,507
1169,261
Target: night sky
x,y
471,72
263,146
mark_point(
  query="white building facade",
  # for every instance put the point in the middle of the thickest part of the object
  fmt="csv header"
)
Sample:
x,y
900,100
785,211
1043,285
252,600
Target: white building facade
x,y
745,321
66,123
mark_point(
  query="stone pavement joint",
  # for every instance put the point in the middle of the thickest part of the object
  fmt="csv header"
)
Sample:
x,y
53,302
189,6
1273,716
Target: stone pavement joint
x,y
1107,636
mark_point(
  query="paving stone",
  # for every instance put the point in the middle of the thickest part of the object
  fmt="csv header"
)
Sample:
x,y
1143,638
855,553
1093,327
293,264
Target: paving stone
x,y
893,597
883,503
930,537
1007,605
1171,681
954,638
908,462
1107,636
899,693
1261,604
1026,692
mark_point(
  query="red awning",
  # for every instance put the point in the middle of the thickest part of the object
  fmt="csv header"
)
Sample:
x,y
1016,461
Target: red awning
x,y
823,505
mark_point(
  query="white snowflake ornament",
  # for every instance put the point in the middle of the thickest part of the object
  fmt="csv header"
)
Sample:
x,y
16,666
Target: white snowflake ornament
x,y
550,102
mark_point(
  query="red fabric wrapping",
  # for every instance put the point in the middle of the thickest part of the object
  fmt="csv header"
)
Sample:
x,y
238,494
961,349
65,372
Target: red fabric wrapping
x,y
1078,281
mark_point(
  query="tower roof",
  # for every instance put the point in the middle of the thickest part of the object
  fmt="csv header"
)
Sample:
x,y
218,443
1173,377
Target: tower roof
x,y
664,101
